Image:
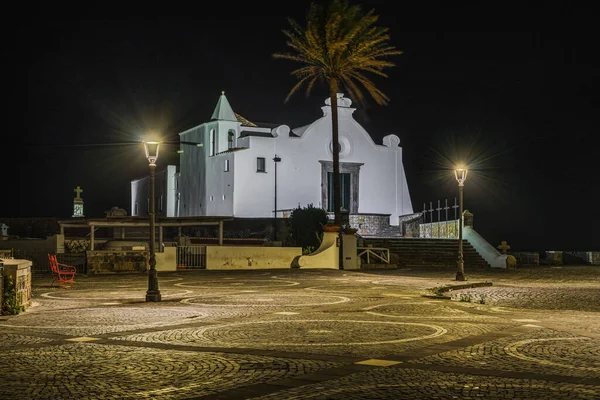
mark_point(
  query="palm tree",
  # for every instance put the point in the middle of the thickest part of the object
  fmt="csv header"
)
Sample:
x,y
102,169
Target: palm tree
x,y
338,46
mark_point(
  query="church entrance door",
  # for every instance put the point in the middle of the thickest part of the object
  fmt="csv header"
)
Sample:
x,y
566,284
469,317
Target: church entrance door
x,y
349,174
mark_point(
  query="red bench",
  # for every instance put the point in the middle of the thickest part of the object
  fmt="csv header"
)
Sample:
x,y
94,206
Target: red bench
x,y
61,273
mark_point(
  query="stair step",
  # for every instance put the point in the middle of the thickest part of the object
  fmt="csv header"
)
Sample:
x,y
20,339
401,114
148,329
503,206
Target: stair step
x,y
428,252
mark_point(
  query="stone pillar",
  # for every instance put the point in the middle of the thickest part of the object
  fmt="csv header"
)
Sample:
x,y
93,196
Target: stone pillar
x,y
467,218
60,244
350,251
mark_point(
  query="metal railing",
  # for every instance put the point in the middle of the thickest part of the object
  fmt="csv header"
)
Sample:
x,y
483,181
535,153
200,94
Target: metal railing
x,y
378,254
191,257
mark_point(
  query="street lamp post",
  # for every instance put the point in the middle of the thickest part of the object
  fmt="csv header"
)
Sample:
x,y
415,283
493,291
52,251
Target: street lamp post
x,y
461,176
153,293
276,160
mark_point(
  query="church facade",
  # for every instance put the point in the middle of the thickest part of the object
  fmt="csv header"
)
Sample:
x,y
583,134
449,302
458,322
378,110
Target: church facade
x,y
230,166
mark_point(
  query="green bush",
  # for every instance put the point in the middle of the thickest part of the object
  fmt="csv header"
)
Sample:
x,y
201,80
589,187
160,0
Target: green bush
x,y
9,299
306,227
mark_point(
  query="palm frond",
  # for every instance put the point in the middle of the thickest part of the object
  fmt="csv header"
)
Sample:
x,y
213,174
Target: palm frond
x,y
340,43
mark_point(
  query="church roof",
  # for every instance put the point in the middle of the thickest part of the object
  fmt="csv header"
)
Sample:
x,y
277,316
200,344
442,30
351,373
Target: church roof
x,y
244,121
223,111
255,133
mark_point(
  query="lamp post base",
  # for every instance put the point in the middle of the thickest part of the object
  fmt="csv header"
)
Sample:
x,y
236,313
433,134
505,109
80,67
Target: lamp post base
x,y
460,275
153,296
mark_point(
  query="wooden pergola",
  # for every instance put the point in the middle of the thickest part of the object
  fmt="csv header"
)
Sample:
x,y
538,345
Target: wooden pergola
x,y
128,221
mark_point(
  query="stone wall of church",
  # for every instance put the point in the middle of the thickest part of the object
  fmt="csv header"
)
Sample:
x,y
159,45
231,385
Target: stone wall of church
x,y
369,224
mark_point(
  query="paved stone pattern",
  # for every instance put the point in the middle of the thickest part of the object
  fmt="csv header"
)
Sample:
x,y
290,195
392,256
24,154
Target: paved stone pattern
x,y
97,321
360,335
393,383
85,370
297,333
543,351
586,299
8,340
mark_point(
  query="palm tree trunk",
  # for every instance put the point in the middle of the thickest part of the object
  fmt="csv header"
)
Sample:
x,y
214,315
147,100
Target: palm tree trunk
x,y
336,152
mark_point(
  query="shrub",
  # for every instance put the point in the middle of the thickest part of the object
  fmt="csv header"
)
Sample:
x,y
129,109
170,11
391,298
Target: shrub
x,y
306,227
9,300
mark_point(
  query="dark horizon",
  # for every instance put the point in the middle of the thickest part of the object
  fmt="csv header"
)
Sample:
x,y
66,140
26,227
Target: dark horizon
x,y
520,108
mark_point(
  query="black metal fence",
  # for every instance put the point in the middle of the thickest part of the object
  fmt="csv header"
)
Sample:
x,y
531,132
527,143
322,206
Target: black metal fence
x,y
39,259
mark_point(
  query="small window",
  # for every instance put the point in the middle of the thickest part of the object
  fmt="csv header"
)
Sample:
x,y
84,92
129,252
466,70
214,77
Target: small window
x,y
231,136
213,144
226,166
223,197
260,164
137,208
211,198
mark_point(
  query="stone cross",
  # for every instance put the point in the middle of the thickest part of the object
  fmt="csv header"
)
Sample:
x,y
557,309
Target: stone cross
x,y
438,209
504,247
78,190
446,208
431,211
425,214
455,206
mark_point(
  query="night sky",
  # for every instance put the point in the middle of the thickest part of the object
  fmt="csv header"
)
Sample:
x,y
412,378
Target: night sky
x,y
520,108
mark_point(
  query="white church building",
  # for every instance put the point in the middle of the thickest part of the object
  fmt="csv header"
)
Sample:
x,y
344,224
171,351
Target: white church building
x,y
230,166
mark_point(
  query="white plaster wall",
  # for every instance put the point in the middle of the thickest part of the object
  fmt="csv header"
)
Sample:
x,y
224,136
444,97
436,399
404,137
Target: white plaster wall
x,y
164,181
219,183
192,176
382,181
135,195
170,194
254,191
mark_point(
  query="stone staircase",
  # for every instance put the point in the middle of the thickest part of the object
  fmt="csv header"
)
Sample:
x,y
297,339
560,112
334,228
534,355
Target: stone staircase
x,y
428,252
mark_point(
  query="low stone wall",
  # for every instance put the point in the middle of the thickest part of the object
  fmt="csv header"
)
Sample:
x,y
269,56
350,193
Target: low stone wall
x,y
441,230
250,257
593,257
410,224
553,258
106,262
326,256
526,258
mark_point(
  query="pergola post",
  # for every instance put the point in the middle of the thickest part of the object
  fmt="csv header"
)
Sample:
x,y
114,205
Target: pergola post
x,y
220,233
160,238
91,237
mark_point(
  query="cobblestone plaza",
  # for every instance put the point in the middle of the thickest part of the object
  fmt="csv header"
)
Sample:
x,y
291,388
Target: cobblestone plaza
x,y
532,333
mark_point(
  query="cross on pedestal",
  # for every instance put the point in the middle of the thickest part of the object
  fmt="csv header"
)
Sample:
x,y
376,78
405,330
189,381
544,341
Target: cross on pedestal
x,y
78,190
446,208
503,247
439,208
455,206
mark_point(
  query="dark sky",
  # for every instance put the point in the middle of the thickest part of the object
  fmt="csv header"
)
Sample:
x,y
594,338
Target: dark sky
x,y
521,108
